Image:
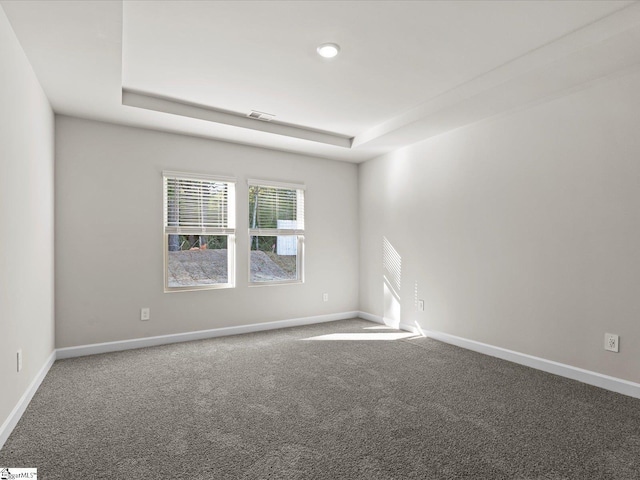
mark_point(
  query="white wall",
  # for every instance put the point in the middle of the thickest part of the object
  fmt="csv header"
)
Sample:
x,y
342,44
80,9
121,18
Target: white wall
x,y
26,221
109,246
521,232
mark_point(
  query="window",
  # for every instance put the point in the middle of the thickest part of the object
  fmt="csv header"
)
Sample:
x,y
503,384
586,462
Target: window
x,y
276,232
199,232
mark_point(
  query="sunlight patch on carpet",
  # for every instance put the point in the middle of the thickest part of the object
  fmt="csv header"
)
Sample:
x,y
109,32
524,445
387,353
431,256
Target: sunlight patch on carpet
x,y
363,336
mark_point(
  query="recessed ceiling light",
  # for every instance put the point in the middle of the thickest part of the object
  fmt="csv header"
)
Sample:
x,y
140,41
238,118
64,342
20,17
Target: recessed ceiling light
x,y
328,50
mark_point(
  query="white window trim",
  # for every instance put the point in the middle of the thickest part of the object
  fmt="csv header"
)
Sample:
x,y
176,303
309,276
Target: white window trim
x,y
252,182
274,232
198,176
229,232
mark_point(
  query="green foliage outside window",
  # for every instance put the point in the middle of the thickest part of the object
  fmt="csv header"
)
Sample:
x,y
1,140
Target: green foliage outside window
x,y
266,206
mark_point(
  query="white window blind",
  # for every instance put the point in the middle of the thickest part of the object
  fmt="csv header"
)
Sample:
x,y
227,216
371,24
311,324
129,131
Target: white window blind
x,y
276,208
198,204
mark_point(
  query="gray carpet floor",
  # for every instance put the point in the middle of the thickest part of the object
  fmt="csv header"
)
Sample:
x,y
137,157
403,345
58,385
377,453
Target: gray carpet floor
x,y
341,406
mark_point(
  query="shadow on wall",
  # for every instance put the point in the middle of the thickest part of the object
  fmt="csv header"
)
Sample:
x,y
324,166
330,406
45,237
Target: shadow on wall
x,y
391,280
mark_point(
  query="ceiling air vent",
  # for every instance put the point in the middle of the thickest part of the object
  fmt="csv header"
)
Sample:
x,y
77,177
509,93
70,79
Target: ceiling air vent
x,y
265,117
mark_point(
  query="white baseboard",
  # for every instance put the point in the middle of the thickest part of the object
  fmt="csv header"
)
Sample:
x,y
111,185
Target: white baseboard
x,y
15,415
585,376
371,317
607,382
117,346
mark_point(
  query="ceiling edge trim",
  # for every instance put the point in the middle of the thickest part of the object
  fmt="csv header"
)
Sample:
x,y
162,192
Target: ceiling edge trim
x,y
562,54
138,99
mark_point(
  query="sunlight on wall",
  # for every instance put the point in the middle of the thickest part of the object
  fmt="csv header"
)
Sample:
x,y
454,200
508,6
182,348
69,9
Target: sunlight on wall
x,y
392,263
392,309
392,277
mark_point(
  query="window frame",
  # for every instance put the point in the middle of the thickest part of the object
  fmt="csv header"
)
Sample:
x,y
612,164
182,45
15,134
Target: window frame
x,y
299,233
229,231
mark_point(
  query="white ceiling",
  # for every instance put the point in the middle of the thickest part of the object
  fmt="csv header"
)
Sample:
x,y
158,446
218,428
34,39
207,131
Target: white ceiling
x,y
406,71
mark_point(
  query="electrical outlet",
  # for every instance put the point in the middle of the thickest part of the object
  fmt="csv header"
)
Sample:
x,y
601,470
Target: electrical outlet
x,y
421,305
19,360
145,314
611,342
325,297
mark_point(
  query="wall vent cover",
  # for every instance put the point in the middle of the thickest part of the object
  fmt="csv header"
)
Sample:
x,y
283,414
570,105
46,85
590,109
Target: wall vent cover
x,y
265,117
